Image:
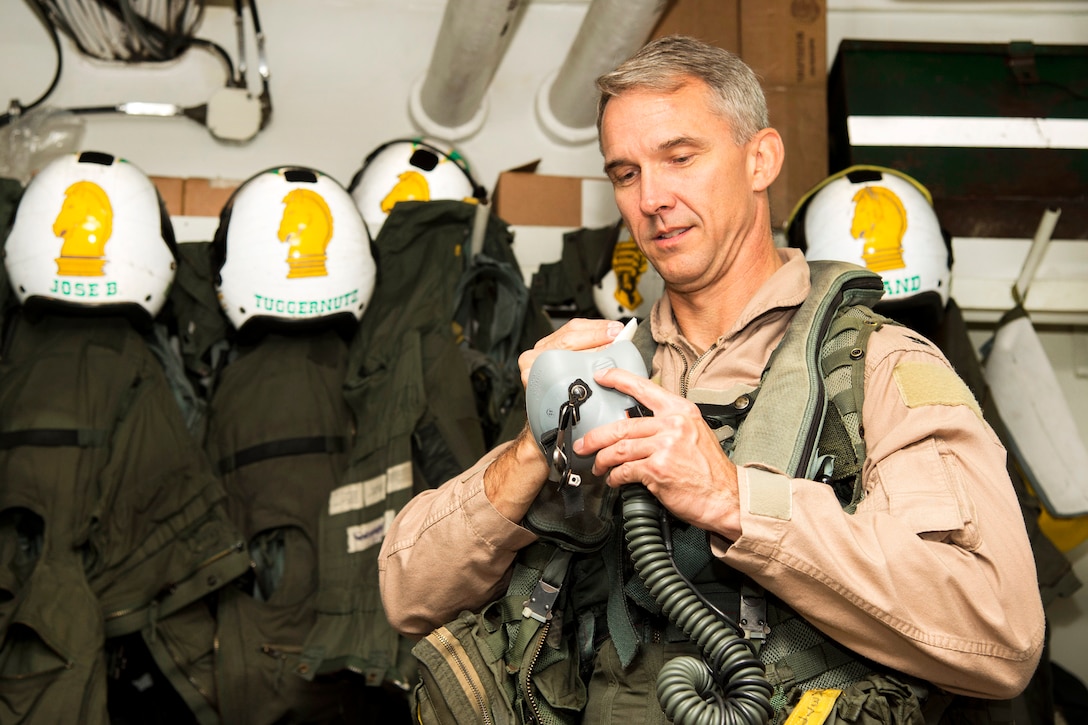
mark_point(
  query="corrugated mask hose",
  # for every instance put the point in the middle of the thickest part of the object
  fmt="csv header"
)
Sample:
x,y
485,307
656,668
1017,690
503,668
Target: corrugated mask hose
x,y
729,685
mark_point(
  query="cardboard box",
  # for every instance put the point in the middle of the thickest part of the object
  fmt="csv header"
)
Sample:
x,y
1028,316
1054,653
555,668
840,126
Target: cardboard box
x,y
785,41
172,191
194,204
540,209
713,21
194,197
207,197
799,112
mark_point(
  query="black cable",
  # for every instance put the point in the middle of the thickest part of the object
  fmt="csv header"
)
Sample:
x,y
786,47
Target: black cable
x,y
214,49
8,117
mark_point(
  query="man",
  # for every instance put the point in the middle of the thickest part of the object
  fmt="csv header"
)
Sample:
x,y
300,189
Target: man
x,y
931,578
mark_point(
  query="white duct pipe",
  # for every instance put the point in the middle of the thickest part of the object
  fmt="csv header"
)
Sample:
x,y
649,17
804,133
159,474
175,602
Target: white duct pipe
x,y
449,102
610,33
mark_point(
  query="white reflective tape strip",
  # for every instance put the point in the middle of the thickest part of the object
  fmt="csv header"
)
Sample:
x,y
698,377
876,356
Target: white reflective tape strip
x,y
346,498
374,490
968,132
355,496
400,477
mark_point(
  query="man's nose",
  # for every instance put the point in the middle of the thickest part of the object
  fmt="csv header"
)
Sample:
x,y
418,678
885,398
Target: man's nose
x,y
654,195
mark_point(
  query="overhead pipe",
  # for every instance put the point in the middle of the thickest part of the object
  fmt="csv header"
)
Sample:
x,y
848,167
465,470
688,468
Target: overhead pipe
x,y
611,32
450,101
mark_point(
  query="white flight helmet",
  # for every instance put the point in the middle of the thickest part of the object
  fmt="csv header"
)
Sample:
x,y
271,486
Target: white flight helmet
x,y
92,234
292,251
630,286
410,169
881,219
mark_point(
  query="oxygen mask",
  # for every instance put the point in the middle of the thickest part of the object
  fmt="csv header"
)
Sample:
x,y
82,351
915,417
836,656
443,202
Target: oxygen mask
x,y
563,403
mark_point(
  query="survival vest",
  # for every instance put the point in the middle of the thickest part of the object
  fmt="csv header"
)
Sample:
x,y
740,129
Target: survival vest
x,y
115,523
278,435
417,425
565,287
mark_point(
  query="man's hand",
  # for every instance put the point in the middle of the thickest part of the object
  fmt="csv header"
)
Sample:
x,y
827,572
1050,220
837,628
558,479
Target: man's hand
x,y
577,334
674,453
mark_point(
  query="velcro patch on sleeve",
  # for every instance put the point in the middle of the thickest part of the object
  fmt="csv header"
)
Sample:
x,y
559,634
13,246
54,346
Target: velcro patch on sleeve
x,y
769,494
922,384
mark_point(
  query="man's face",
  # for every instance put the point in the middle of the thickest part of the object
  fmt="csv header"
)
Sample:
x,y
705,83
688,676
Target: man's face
x,y
682,185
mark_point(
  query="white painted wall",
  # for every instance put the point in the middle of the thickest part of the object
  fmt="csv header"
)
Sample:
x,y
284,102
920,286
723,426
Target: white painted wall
x,y
341,73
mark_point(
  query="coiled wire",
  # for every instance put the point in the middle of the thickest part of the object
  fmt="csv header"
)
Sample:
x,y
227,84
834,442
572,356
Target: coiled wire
x,y
729,686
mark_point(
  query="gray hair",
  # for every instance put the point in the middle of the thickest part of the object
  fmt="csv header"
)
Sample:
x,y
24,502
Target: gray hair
x,y
668,63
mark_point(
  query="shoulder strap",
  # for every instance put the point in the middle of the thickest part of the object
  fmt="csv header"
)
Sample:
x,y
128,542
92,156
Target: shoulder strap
x,y
785,428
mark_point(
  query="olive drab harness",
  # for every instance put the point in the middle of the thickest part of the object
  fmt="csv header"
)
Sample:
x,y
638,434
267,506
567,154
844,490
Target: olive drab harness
x,y
803,419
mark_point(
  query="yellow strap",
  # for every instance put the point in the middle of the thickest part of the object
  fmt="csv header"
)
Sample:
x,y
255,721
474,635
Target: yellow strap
x,y
814,707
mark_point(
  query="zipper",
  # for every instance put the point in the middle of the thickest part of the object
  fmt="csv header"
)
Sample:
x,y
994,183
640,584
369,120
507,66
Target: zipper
x,y
192,681
684,374
527,683
468,672
689,367
233,548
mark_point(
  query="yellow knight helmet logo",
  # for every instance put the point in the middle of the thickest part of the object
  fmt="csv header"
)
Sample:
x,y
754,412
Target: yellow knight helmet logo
x,y
85,223
412,186
880,221
629,264
307,227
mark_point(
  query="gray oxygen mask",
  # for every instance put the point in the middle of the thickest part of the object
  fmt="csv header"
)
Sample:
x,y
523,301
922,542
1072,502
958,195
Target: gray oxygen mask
x,y
563,403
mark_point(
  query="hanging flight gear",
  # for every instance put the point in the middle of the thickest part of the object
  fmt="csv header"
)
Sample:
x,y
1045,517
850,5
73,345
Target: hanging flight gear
x,y
292,251
117,249
409,389
629,286
601,273
10,193
118,516
117,481
278,435
294,272
881,219
565,287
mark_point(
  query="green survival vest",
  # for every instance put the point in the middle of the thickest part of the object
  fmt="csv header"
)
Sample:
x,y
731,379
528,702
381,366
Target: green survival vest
x,y
415,412
113,524
278,435
565,287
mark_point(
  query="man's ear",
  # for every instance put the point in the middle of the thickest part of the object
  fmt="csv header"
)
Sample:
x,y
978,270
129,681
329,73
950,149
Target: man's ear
x,y
767,154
